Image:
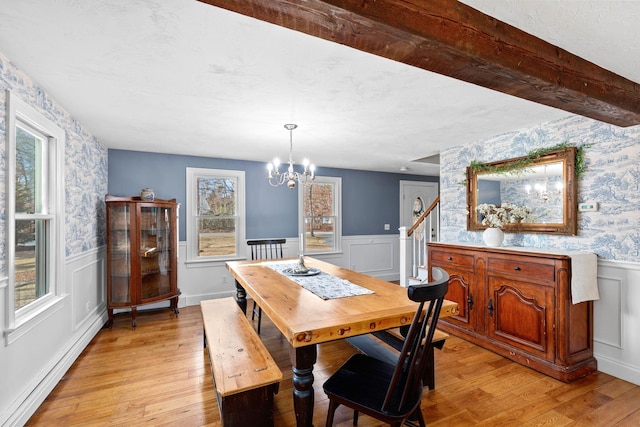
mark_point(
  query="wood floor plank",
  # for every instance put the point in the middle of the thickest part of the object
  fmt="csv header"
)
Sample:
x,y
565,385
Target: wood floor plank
x,y
158,374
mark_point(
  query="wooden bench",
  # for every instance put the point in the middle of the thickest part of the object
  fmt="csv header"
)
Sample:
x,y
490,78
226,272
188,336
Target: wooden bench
x,y
244,374
389,343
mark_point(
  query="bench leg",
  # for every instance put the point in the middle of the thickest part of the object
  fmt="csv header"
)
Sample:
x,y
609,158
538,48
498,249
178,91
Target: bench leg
x,y
302,361
234,410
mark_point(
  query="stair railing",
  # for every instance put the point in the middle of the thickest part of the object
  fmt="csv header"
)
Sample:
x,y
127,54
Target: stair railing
x,y
425,229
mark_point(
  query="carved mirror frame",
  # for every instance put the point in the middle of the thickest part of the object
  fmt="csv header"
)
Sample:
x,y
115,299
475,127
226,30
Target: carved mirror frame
x,y
569,224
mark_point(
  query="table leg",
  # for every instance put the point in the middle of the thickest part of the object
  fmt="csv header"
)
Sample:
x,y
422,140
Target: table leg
x,y
302,361
241,297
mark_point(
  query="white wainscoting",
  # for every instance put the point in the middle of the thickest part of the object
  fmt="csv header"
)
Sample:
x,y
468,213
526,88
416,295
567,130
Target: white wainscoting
x,y
34,371
373,255
616,326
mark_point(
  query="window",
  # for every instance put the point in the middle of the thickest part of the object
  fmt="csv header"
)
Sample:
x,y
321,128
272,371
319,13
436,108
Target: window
x,y
215,214
320,214
35,212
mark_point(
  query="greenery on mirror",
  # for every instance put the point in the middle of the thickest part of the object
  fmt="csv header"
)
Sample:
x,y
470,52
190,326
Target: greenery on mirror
x,y
517,166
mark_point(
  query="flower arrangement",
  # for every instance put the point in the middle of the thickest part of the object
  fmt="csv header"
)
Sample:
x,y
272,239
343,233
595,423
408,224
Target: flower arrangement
x,y
497,216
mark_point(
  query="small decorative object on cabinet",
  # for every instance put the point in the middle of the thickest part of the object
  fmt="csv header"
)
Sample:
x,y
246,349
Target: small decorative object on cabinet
x,y
142,242
493,236
517,303
147,195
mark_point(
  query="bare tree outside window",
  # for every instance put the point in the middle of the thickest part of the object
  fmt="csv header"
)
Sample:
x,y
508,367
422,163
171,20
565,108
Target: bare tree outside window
x,y
319,216
30,233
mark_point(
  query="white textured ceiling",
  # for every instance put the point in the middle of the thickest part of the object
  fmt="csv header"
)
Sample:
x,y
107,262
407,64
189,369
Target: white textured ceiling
x,y
179,76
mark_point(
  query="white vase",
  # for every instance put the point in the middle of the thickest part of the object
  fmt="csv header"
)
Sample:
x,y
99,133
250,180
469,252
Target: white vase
x,y
493,236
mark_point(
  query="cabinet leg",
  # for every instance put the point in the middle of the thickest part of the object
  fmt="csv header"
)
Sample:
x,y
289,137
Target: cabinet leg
x,y
174,306
110,321
133,317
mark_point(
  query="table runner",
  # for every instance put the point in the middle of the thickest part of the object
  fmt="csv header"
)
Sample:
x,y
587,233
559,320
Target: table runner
x,y
322,284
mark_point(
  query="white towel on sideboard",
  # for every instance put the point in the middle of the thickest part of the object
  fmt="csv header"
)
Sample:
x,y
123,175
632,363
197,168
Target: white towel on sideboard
x,y
584,277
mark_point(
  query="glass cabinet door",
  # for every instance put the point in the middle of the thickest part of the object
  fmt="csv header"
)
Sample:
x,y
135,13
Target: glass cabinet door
x,y
155,251
119,249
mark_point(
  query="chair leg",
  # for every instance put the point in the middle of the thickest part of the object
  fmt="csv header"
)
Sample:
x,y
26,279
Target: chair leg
x,y
416,416
257,310
259,319
429,378
420,418
355,418
331,412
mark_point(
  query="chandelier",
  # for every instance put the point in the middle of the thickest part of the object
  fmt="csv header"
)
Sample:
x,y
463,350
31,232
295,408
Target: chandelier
x,y
290,176
542,192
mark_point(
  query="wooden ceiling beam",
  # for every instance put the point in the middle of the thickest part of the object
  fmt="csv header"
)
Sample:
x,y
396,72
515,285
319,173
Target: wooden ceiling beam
x,y
450,38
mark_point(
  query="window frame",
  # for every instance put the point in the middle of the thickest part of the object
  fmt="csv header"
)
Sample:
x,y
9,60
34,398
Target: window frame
x,y
192,214
20,114
336,182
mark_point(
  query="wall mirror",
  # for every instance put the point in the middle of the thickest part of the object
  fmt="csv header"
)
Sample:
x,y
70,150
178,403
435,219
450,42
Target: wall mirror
x,y
547,185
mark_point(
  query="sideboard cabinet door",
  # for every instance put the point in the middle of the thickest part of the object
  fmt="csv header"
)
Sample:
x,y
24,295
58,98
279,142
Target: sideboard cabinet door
x,y
521,315
462,286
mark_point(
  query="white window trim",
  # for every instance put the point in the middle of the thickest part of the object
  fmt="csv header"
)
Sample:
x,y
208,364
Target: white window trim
x,y
17,324
191,214
337,200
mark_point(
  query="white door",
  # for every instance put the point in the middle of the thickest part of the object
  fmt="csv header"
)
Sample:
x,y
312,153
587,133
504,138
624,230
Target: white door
x,y
416,197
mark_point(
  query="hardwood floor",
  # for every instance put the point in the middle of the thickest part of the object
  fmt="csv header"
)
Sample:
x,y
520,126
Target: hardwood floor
x,y
158,374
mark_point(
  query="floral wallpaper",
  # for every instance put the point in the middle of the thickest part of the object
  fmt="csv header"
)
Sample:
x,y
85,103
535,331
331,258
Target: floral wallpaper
x,y
85,166
612,179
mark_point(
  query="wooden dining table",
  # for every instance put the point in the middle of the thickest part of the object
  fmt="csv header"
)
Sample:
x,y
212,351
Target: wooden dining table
x,y
306,319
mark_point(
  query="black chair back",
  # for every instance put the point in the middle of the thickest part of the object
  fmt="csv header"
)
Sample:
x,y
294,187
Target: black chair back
x,y
406,382
266,249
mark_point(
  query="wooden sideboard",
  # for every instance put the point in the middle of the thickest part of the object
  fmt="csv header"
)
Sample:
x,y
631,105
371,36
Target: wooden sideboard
x,y
518,304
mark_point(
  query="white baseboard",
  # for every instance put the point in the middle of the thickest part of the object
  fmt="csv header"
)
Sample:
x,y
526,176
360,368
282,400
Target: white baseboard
x,y
28,406
618,369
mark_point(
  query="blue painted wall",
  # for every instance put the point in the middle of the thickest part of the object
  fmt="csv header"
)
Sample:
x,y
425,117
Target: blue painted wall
x,y
369,199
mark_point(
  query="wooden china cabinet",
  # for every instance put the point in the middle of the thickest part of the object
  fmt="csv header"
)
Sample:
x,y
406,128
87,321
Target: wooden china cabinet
x,y
518,304
142,243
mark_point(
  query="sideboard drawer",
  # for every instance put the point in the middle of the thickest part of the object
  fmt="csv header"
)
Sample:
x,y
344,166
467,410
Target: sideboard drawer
x,y
451,258
524,267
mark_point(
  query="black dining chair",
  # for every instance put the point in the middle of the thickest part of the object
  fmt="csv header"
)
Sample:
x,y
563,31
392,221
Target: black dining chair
x,y
264,249
387,392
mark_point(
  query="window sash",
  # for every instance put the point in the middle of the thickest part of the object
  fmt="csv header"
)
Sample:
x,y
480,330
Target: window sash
x,y
31,281
31,267
48,206
217,241
215,224
322,233
38,188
